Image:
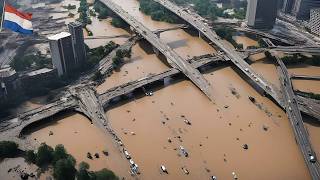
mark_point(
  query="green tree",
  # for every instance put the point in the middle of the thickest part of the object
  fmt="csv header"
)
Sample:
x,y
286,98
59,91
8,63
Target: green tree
x,y
31,156
64,169
8,149
44,155
59,153
105,174
83,173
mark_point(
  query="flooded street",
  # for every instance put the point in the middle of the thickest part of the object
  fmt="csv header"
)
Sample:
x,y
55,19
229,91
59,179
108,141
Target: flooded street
x,y
79,137
104,29
216,135
246,41
178,126
314,132
266,68
185,45
140,65
305,85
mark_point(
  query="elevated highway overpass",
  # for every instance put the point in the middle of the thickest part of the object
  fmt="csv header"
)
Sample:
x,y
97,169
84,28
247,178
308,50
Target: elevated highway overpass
x,y
231,54
172,57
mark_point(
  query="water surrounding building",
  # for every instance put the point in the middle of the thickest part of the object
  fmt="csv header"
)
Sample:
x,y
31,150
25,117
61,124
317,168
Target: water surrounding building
x,y
76,31
261,14
314,23
62,53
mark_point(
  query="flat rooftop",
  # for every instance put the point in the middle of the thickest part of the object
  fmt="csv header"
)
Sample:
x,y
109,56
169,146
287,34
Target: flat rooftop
x,y
59,36
39,71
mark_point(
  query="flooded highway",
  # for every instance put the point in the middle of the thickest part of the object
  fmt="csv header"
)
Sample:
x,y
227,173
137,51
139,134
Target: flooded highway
x,y
216,136
241,132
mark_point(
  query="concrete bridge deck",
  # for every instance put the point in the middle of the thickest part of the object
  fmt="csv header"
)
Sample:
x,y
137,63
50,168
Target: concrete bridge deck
x,y
295,118
305,77
172,57
133,85
231,54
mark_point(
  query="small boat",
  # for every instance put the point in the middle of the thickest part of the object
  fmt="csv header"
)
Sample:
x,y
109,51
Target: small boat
x,y
163,169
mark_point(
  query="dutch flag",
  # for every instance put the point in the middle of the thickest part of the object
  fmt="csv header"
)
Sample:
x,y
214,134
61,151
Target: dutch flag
x,y
17,21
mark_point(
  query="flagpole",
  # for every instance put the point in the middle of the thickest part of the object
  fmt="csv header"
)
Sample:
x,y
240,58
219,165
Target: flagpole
x,y
2,19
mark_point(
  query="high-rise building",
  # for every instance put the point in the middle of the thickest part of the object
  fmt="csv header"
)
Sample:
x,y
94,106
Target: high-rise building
x,y
314,23
261,14
76,31
62,53
302,8
288,6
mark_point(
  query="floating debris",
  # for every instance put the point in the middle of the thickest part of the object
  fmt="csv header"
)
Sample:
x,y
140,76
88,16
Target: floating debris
x,y
187,122
252,99
105,152
185,170
245,146
164,169
96,155
169,140
126,153
265,128
184,151
50,133
234,175
89,156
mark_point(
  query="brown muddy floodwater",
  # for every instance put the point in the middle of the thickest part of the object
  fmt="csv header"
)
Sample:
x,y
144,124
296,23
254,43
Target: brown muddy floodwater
x,y
304,69
140,65
216,135
266,68
307,85
246,41
185,45
79,137
104,28
313,128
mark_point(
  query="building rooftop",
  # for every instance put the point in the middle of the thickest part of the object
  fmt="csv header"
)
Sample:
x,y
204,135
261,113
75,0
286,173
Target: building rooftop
x,y
75,24
6,71
39,71
59,36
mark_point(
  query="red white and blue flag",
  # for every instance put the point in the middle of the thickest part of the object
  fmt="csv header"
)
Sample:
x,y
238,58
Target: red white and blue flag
x,y
17,21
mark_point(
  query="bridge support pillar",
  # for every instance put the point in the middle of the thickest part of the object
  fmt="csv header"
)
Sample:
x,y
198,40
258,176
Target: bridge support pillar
x,y
155,50
158,34
200,35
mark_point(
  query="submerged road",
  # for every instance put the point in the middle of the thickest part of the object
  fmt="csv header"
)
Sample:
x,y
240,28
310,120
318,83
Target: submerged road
x,y
196,22
294,115
173,58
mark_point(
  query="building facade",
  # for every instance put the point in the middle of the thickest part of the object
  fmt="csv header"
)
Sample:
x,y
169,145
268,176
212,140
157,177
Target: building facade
x,y
9,82
261,14
314,23
79,49
300,9
62,54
